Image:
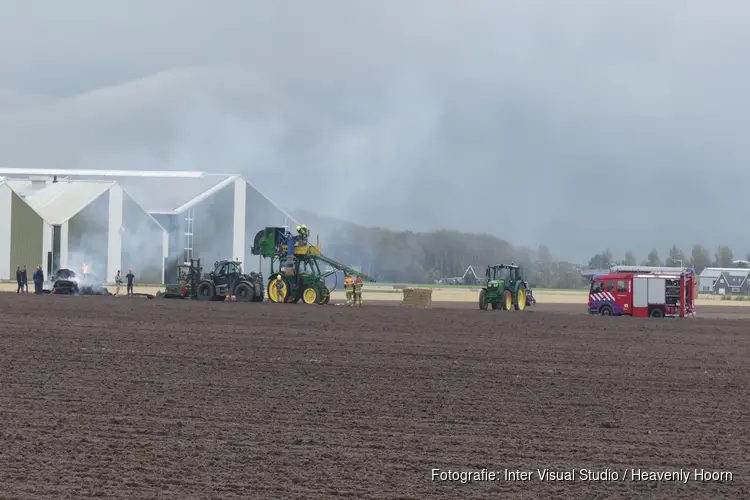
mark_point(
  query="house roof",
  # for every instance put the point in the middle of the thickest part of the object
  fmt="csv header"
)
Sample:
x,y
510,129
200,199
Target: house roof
x,y
58,202
715,272
735,277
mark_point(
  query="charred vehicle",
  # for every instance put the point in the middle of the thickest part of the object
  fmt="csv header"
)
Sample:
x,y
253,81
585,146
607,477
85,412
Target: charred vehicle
x,y
66,282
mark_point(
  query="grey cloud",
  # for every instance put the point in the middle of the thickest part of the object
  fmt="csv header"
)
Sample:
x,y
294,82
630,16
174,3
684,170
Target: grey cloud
x,y
617,124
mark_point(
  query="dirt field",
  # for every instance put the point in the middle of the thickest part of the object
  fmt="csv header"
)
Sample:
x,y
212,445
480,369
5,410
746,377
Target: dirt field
x,y
136,398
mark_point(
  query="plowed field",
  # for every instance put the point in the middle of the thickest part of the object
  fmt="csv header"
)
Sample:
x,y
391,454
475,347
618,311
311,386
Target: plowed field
x,y
134,398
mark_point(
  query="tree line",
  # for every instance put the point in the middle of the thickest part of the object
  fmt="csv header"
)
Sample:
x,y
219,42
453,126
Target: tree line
x,y
409,257
699,257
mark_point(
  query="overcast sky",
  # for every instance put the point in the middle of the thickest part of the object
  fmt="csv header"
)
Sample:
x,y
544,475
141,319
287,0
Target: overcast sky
x,y
582,124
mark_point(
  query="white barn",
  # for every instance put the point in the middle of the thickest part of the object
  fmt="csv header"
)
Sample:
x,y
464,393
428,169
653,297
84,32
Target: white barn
x,y
96,224
206,216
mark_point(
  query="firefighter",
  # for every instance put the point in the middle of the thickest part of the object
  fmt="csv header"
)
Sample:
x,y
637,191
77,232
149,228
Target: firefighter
x,y
348,288
279,288
358,290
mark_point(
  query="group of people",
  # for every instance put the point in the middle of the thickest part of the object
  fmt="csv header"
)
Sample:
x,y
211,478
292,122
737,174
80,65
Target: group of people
x,y
38,277
118,282
22,278
353,289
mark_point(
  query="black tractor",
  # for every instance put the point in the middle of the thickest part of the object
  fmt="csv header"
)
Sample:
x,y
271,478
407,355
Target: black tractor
x,y
227,279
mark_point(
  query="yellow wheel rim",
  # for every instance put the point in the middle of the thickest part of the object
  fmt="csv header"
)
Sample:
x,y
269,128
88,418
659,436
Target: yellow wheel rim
x,y
508,301
521,299
273,292
310,296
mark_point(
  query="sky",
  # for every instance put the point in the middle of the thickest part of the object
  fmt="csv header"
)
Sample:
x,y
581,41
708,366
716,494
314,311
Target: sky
x,y
581,124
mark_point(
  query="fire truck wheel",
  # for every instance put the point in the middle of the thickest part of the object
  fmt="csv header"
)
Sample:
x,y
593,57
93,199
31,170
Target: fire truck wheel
x,y
656,313
605,311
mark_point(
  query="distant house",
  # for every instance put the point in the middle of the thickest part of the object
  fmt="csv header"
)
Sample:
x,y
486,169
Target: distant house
x,y
724,281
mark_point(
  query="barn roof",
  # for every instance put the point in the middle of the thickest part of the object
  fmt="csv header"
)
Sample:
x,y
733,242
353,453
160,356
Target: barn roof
x,y
58,202
715,272
164,195
157,192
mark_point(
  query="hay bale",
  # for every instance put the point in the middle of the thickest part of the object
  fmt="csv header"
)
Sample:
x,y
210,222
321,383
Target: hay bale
x,y
417,297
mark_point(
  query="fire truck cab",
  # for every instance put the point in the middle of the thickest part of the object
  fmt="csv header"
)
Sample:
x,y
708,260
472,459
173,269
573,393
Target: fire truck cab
x,y
644,291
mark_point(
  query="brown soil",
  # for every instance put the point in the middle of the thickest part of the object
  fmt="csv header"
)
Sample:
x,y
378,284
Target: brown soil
x,y
136,398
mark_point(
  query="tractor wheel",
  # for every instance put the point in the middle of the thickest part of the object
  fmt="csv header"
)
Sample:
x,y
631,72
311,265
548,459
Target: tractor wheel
x,y
327,299
482,303
507,300
520,304
325,296
206,291
311,295
276,296
244,292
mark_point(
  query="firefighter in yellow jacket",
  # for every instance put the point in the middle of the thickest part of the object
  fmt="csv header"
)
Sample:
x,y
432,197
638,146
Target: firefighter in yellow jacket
x,y
358,284
349,289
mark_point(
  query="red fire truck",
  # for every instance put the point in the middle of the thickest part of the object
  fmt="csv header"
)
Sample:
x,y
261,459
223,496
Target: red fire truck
x,y
644,291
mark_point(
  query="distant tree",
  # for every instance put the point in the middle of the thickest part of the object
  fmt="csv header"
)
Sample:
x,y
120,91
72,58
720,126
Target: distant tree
x,y
677,257
601,260
653,258
629,259
723,257
543,254
700,258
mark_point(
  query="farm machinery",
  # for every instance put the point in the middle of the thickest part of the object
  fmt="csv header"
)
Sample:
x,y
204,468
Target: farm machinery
x,y
227,279
505,289
297,267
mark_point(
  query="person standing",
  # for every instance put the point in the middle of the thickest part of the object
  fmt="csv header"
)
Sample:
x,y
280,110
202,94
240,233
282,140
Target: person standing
x,y
38,280
348,288
25,279
280,289
118,283
19,279
358,284
130,277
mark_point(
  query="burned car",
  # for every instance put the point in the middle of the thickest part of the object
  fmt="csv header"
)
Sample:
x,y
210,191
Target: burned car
x,y
66,282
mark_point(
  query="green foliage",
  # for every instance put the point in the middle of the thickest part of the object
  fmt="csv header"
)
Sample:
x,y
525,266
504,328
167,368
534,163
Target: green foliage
x,y
408,257
699,258
723,257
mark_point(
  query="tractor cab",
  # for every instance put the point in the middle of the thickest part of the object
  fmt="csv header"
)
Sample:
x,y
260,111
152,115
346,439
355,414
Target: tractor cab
x,y
504,273
227,269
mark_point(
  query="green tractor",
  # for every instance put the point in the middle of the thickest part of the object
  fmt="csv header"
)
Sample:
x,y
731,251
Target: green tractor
x,y
296,267
505,289
227,279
